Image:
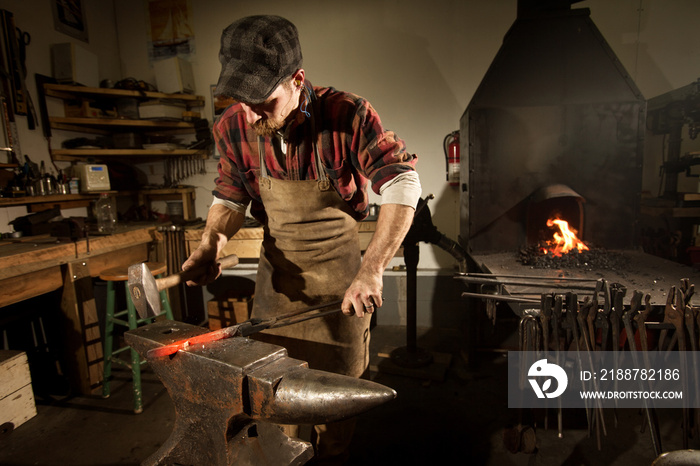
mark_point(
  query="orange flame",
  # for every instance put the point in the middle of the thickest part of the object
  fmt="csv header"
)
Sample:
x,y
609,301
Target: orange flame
x,y
565,240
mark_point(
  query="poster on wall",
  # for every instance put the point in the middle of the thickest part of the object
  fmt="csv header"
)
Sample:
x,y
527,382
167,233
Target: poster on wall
x,y
170,29
69,18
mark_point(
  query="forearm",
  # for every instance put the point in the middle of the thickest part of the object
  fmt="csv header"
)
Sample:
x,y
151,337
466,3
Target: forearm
x,y
365,291
392,225
222,223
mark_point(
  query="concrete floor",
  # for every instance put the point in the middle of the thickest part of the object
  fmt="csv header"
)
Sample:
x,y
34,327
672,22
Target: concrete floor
x,y
460,419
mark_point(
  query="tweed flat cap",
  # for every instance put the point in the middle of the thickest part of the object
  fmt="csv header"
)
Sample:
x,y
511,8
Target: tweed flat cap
x,y
257,53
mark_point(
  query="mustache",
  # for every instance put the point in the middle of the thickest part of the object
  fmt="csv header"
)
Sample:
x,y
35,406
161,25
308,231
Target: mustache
x,y
266,128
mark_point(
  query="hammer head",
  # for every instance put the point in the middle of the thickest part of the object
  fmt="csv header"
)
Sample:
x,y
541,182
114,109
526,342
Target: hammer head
x,y
144,291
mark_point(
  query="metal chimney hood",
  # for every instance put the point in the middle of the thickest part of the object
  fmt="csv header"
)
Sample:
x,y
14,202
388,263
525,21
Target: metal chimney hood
x,y
556,107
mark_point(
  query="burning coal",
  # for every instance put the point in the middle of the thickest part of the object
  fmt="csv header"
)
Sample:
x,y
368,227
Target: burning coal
x,y
566,251
591,259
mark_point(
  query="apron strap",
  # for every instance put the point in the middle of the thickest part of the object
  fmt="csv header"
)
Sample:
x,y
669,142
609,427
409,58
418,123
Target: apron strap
x,y
323,183
264,172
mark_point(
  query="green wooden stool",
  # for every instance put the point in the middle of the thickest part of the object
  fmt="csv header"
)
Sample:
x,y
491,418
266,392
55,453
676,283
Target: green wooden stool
x,y
112,318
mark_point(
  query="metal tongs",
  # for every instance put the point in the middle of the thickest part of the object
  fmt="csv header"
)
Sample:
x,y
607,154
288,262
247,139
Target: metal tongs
x,y
496,283
248,327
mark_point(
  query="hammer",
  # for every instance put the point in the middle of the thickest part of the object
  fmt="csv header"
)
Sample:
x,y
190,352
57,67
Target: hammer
x,y
145,289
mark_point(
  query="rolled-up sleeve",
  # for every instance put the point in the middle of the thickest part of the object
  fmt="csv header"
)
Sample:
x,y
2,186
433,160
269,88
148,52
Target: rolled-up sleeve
x,y
381,154
404,189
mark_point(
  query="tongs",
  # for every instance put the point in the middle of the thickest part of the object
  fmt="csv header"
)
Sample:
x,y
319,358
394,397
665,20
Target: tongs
x,y
248,327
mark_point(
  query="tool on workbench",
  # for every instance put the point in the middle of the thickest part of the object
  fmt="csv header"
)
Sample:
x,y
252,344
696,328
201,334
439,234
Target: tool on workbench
x,y
145,289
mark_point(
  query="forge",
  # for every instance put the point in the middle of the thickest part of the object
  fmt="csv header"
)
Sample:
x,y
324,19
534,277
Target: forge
x,y
556,130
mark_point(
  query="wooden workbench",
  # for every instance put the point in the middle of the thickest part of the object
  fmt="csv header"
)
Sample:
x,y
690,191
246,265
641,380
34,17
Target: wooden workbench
x,y
32,266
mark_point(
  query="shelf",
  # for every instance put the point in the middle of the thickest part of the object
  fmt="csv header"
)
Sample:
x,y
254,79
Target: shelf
x,y
58,198
108,125
82,116
69,155
53,198
120,122
66,91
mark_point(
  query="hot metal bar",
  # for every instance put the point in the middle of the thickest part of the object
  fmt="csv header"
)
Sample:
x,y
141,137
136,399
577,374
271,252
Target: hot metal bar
x,y
246,328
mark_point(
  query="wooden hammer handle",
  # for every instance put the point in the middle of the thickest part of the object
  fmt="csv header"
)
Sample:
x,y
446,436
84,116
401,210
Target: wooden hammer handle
x,y
177,278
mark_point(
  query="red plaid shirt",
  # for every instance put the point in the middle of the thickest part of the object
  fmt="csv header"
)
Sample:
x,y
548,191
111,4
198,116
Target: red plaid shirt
x,y
352,143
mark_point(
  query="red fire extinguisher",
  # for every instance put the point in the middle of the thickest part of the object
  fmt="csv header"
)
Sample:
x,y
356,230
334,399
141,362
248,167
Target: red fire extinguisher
x,y
451,147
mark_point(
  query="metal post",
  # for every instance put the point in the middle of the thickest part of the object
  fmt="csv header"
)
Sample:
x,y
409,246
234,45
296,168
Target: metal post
x,y
411,355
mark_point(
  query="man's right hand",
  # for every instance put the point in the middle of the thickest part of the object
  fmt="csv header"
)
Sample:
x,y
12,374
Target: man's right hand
x,y
222,223
206,259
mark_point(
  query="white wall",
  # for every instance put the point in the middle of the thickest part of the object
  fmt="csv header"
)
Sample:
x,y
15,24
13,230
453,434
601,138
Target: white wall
x,y
35,17
418,62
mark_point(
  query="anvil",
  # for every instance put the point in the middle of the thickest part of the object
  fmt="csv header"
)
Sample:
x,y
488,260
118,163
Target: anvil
x,y
229,394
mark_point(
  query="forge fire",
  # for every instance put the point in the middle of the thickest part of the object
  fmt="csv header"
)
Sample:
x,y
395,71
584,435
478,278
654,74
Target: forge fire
x,y
564,240
566,250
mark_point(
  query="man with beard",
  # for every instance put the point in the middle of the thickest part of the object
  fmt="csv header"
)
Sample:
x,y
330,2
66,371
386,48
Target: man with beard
x,y
301,158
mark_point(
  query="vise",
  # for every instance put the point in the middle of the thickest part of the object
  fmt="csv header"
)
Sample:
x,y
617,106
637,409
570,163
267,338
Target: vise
x,y
229,394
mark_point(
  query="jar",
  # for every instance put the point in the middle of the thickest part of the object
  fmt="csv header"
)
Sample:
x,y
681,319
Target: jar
x,y
106,214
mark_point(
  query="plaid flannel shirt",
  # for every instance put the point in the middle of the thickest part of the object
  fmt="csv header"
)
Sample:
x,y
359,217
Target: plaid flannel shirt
x,y
353,145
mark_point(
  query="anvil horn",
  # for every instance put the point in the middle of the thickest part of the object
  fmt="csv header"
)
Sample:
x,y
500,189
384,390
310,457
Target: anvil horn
x,y
287,392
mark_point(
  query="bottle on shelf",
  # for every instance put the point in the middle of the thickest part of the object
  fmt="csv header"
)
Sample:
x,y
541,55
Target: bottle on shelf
x,y
106,214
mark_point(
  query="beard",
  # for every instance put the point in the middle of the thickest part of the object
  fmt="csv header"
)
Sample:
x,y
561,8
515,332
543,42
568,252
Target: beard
x,y
267,128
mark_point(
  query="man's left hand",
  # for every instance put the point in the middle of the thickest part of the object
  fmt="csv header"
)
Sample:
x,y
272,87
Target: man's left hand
x,y
364,295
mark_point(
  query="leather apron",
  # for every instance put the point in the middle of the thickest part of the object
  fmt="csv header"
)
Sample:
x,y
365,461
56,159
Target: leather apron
x,y
310,255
